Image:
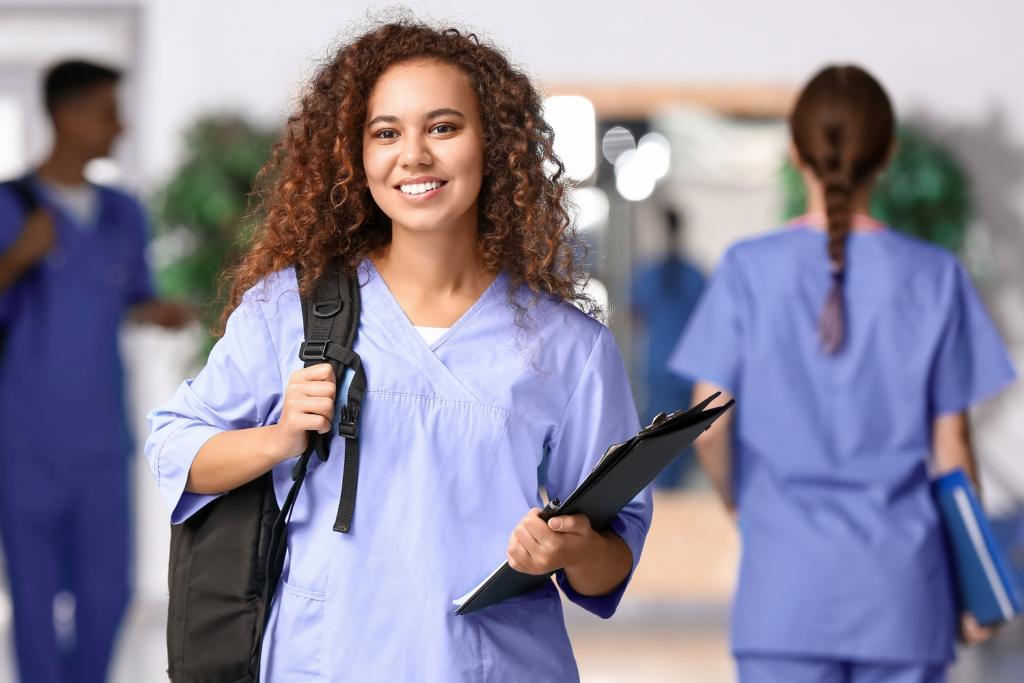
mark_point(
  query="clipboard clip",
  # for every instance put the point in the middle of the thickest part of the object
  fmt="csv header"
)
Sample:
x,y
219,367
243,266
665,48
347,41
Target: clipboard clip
x,y
659,419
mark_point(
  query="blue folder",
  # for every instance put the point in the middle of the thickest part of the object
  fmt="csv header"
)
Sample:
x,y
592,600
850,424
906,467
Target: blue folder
x,y
987,584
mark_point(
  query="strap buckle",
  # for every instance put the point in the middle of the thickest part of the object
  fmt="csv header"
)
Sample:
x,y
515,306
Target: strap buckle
x,y
331,308
313,350
348,425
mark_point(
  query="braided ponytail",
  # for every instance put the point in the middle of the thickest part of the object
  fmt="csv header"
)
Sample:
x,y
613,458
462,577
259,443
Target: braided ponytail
x,y
842,127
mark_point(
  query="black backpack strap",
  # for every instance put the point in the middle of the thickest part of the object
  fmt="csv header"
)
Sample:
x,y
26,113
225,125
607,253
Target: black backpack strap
x,y
330,322
331,325
22,187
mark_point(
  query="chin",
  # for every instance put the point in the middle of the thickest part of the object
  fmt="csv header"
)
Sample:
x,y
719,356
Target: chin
x,y
421,226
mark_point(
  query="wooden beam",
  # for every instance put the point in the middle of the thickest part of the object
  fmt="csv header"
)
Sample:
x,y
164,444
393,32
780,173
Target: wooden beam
x,y
632,101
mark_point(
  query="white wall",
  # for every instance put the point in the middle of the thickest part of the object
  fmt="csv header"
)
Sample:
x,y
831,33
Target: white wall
x,y
957,61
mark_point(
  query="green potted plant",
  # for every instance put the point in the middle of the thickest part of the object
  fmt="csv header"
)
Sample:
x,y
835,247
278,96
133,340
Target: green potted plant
x,y
202,215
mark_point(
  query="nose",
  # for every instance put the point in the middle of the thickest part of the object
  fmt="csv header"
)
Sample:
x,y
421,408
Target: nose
x,y
416,151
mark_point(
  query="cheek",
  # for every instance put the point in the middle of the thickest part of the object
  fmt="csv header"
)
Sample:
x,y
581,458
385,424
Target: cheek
x,y
469,162
376,167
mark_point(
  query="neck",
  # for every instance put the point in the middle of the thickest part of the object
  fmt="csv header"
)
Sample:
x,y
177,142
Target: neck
x,y
65,165
435,275
860,200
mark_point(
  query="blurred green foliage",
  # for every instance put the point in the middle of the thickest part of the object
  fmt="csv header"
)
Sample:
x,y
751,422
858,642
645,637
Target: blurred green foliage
x,y
202,215
924,192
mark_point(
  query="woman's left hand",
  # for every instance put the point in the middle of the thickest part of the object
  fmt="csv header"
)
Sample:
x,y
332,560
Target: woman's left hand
x,y
539,547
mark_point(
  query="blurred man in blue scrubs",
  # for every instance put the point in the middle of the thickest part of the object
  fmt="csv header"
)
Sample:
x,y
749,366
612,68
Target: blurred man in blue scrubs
x,y
72,267
664,294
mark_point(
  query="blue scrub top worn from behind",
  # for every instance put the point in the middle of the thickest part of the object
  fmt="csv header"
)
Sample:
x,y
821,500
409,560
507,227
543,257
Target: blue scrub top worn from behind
x,y
61,370
843,553
451,434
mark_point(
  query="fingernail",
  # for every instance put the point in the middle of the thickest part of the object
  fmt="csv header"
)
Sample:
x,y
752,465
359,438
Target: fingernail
x,y
555,523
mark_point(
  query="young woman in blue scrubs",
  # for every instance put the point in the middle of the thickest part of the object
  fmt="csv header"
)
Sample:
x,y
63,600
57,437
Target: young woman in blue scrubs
x,y
853,353
418,158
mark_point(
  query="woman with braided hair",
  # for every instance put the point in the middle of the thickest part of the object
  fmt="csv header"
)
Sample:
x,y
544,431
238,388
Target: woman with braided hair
x,y
853,353
419,160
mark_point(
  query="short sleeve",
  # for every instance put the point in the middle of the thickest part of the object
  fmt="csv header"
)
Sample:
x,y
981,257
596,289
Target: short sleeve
x,y
239,388
971,362
711,346
140,286
600,412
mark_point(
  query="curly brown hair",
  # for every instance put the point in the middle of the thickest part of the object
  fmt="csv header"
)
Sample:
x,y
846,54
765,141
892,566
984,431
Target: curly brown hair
x,y
314,203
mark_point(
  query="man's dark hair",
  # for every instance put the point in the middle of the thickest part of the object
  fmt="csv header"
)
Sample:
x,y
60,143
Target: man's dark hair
x,y
68,80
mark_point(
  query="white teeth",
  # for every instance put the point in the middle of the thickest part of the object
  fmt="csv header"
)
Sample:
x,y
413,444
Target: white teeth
x,y
419,188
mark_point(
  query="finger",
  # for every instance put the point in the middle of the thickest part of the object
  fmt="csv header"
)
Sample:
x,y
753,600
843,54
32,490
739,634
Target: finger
x,y
526,539
311,423
570,524
313,405
322,372
315,388
540,531
974,633
516,564
520,560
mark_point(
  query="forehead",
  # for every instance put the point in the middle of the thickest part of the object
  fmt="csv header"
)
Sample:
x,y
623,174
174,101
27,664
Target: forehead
x,y
96,95
421,86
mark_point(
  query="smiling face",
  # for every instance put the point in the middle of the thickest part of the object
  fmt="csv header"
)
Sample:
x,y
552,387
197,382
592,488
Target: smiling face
x,y
423,147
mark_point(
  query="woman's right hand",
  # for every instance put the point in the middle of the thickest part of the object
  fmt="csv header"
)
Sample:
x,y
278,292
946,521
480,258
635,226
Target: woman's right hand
x,y
308,406
973,633
237,456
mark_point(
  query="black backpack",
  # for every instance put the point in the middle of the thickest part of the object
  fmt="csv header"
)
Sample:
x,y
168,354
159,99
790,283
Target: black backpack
x,y
227,558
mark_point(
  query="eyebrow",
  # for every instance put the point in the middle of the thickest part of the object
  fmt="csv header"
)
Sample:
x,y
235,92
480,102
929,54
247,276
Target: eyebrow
x,y
445,111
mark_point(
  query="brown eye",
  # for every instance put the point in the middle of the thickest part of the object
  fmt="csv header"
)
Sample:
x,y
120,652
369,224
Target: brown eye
x,y
443,128
386,134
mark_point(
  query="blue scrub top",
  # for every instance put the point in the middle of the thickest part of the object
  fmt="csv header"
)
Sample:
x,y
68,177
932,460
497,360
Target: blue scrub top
x,y
451,434
843,554
61,393
664,295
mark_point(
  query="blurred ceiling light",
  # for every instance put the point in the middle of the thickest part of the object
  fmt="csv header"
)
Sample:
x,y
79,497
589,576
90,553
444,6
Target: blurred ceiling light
x,y
638,170
575,124
103,171
633,180
617,141
654,153
592,204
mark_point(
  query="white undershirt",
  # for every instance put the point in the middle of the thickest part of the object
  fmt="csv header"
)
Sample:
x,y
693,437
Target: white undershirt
x,y
81,202
431,334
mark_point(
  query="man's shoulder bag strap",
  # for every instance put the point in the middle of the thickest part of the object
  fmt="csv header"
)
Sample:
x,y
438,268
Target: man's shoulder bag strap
x,y
22,187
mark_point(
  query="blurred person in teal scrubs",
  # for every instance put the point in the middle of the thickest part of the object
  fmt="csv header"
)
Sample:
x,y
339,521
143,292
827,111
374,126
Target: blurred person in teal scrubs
x,y
854,353
72,266
664,293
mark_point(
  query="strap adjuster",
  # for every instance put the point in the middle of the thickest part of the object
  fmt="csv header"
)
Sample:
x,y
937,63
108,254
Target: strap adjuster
x,y
313,350
348,425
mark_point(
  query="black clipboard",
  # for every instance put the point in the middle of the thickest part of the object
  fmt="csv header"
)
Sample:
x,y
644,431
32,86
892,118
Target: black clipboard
x,y
622,473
